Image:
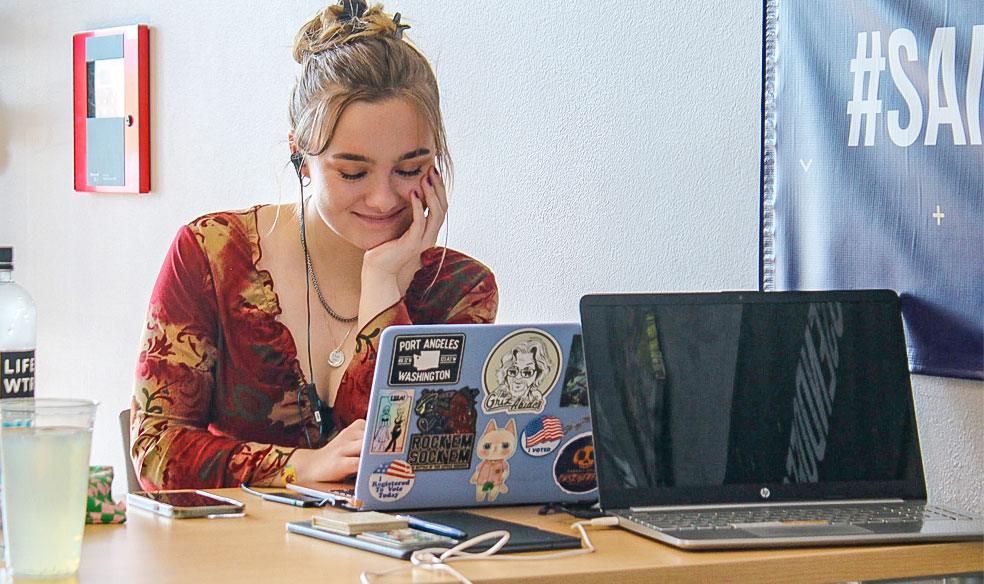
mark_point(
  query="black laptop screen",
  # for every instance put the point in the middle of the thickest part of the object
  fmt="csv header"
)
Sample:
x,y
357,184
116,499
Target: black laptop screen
x,y
708,398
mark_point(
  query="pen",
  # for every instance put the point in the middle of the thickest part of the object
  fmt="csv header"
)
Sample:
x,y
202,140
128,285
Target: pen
x,y
298,500
311,502
431,527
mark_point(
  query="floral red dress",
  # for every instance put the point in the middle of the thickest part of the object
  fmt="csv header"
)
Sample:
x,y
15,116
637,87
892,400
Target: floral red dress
x,y
219,397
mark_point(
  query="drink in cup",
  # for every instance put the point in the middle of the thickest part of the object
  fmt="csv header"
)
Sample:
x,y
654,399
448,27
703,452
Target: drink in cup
x,y
44,455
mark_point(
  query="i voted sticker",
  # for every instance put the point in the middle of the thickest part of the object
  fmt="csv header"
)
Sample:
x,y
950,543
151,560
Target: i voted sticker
x,y
542,435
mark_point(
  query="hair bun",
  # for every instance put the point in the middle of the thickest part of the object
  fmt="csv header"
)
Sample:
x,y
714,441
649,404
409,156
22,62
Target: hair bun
x,y
342,23
352,9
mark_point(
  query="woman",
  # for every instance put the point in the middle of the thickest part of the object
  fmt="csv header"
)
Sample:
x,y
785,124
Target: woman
x,y
242,376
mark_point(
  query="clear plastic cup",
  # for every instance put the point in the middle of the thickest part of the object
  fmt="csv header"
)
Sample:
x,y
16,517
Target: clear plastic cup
x,y
44,456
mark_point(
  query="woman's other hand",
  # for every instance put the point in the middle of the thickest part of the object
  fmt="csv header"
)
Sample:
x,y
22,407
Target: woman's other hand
x,y
336,461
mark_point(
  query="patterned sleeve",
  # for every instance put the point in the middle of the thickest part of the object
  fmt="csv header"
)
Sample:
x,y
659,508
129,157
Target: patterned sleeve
x,y
171,445
462,292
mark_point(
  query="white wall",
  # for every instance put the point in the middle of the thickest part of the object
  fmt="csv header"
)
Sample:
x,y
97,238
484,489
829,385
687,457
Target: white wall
x,y
597,149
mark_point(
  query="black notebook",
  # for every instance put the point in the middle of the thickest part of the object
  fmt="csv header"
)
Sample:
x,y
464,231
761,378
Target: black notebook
x,y
522,538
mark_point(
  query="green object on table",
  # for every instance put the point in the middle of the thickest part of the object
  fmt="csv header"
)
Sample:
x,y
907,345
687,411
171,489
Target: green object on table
x,y
100,507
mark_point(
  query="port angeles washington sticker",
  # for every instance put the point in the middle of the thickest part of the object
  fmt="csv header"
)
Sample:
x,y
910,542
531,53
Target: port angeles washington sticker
x,y
426,359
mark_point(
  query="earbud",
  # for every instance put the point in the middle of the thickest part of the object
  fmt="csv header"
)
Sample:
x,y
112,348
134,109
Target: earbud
x,y
297,159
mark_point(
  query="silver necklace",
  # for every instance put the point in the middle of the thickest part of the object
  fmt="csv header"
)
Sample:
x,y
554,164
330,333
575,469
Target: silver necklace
x,y
314,280
337,356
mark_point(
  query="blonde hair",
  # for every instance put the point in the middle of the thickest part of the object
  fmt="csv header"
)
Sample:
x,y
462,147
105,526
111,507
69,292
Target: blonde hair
x,y
348,57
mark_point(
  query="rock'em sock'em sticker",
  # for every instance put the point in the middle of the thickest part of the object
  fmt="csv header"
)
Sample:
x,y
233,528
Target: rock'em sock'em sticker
x,y
446,420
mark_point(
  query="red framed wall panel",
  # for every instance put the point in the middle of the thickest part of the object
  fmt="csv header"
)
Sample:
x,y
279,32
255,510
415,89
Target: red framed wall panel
x,y
111,78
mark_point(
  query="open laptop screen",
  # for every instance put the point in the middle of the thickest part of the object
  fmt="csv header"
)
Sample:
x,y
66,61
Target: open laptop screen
x,y
750,397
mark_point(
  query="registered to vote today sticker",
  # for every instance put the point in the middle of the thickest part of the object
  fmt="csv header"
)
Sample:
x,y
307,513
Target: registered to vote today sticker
x,y
391,481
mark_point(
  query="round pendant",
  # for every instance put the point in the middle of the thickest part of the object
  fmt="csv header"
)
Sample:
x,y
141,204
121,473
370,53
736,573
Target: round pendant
x,y
336,358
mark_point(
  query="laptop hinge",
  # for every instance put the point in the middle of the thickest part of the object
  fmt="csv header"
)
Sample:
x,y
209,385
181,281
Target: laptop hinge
x,y
773,504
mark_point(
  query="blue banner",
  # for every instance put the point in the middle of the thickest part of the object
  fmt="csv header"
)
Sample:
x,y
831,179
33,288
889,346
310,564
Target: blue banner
x,y
873,163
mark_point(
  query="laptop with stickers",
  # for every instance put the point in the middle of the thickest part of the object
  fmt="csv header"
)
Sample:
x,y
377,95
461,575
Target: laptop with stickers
x,y
475,415
759,419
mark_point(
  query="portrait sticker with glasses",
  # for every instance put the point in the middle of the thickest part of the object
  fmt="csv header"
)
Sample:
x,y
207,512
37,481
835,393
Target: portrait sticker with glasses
x,y
520,371
426,359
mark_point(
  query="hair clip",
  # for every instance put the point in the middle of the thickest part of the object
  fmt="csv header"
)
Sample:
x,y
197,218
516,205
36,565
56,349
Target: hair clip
x,y
399,27
351,9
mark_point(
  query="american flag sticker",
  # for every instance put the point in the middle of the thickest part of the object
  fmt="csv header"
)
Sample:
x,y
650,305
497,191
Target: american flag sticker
x,y
400,470
542,435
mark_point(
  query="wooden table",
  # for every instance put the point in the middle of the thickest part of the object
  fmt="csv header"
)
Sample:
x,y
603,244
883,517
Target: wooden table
x,y
149,549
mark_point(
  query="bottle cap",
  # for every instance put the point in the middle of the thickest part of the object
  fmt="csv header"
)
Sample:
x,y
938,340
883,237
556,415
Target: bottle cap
x,y
6,258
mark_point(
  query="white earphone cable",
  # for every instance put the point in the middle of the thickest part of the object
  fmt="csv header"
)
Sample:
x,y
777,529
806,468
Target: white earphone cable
x,y
439,558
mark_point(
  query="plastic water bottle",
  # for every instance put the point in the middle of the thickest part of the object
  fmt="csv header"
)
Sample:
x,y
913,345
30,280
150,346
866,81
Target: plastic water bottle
x,y
18,332
18,335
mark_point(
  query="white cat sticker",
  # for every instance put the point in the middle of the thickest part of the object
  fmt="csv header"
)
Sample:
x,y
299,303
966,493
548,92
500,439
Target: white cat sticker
x,y
495,447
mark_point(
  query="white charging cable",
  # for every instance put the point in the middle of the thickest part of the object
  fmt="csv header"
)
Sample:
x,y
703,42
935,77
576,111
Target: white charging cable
x,y
437,559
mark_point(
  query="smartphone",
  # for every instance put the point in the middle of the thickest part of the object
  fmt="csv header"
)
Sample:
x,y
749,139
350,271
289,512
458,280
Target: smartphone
x,y
408,538
186,503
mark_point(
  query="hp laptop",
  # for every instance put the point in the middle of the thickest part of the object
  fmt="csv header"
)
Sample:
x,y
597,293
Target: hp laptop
x,y
475,415
751,419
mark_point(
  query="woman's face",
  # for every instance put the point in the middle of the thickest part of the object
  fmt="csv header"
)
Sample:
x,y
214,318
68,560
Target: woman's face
x,y
363,182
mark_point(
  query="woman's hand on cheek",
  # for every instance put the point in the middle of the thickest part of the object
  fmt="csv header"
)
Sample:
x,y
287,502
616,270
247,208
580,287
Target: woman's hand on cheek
x,y
388,268
435,197
391,257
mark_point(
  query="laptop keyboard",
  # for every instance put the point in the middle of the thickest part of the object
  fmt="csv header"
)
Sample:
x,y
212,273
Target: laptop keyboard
x,y
736,517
